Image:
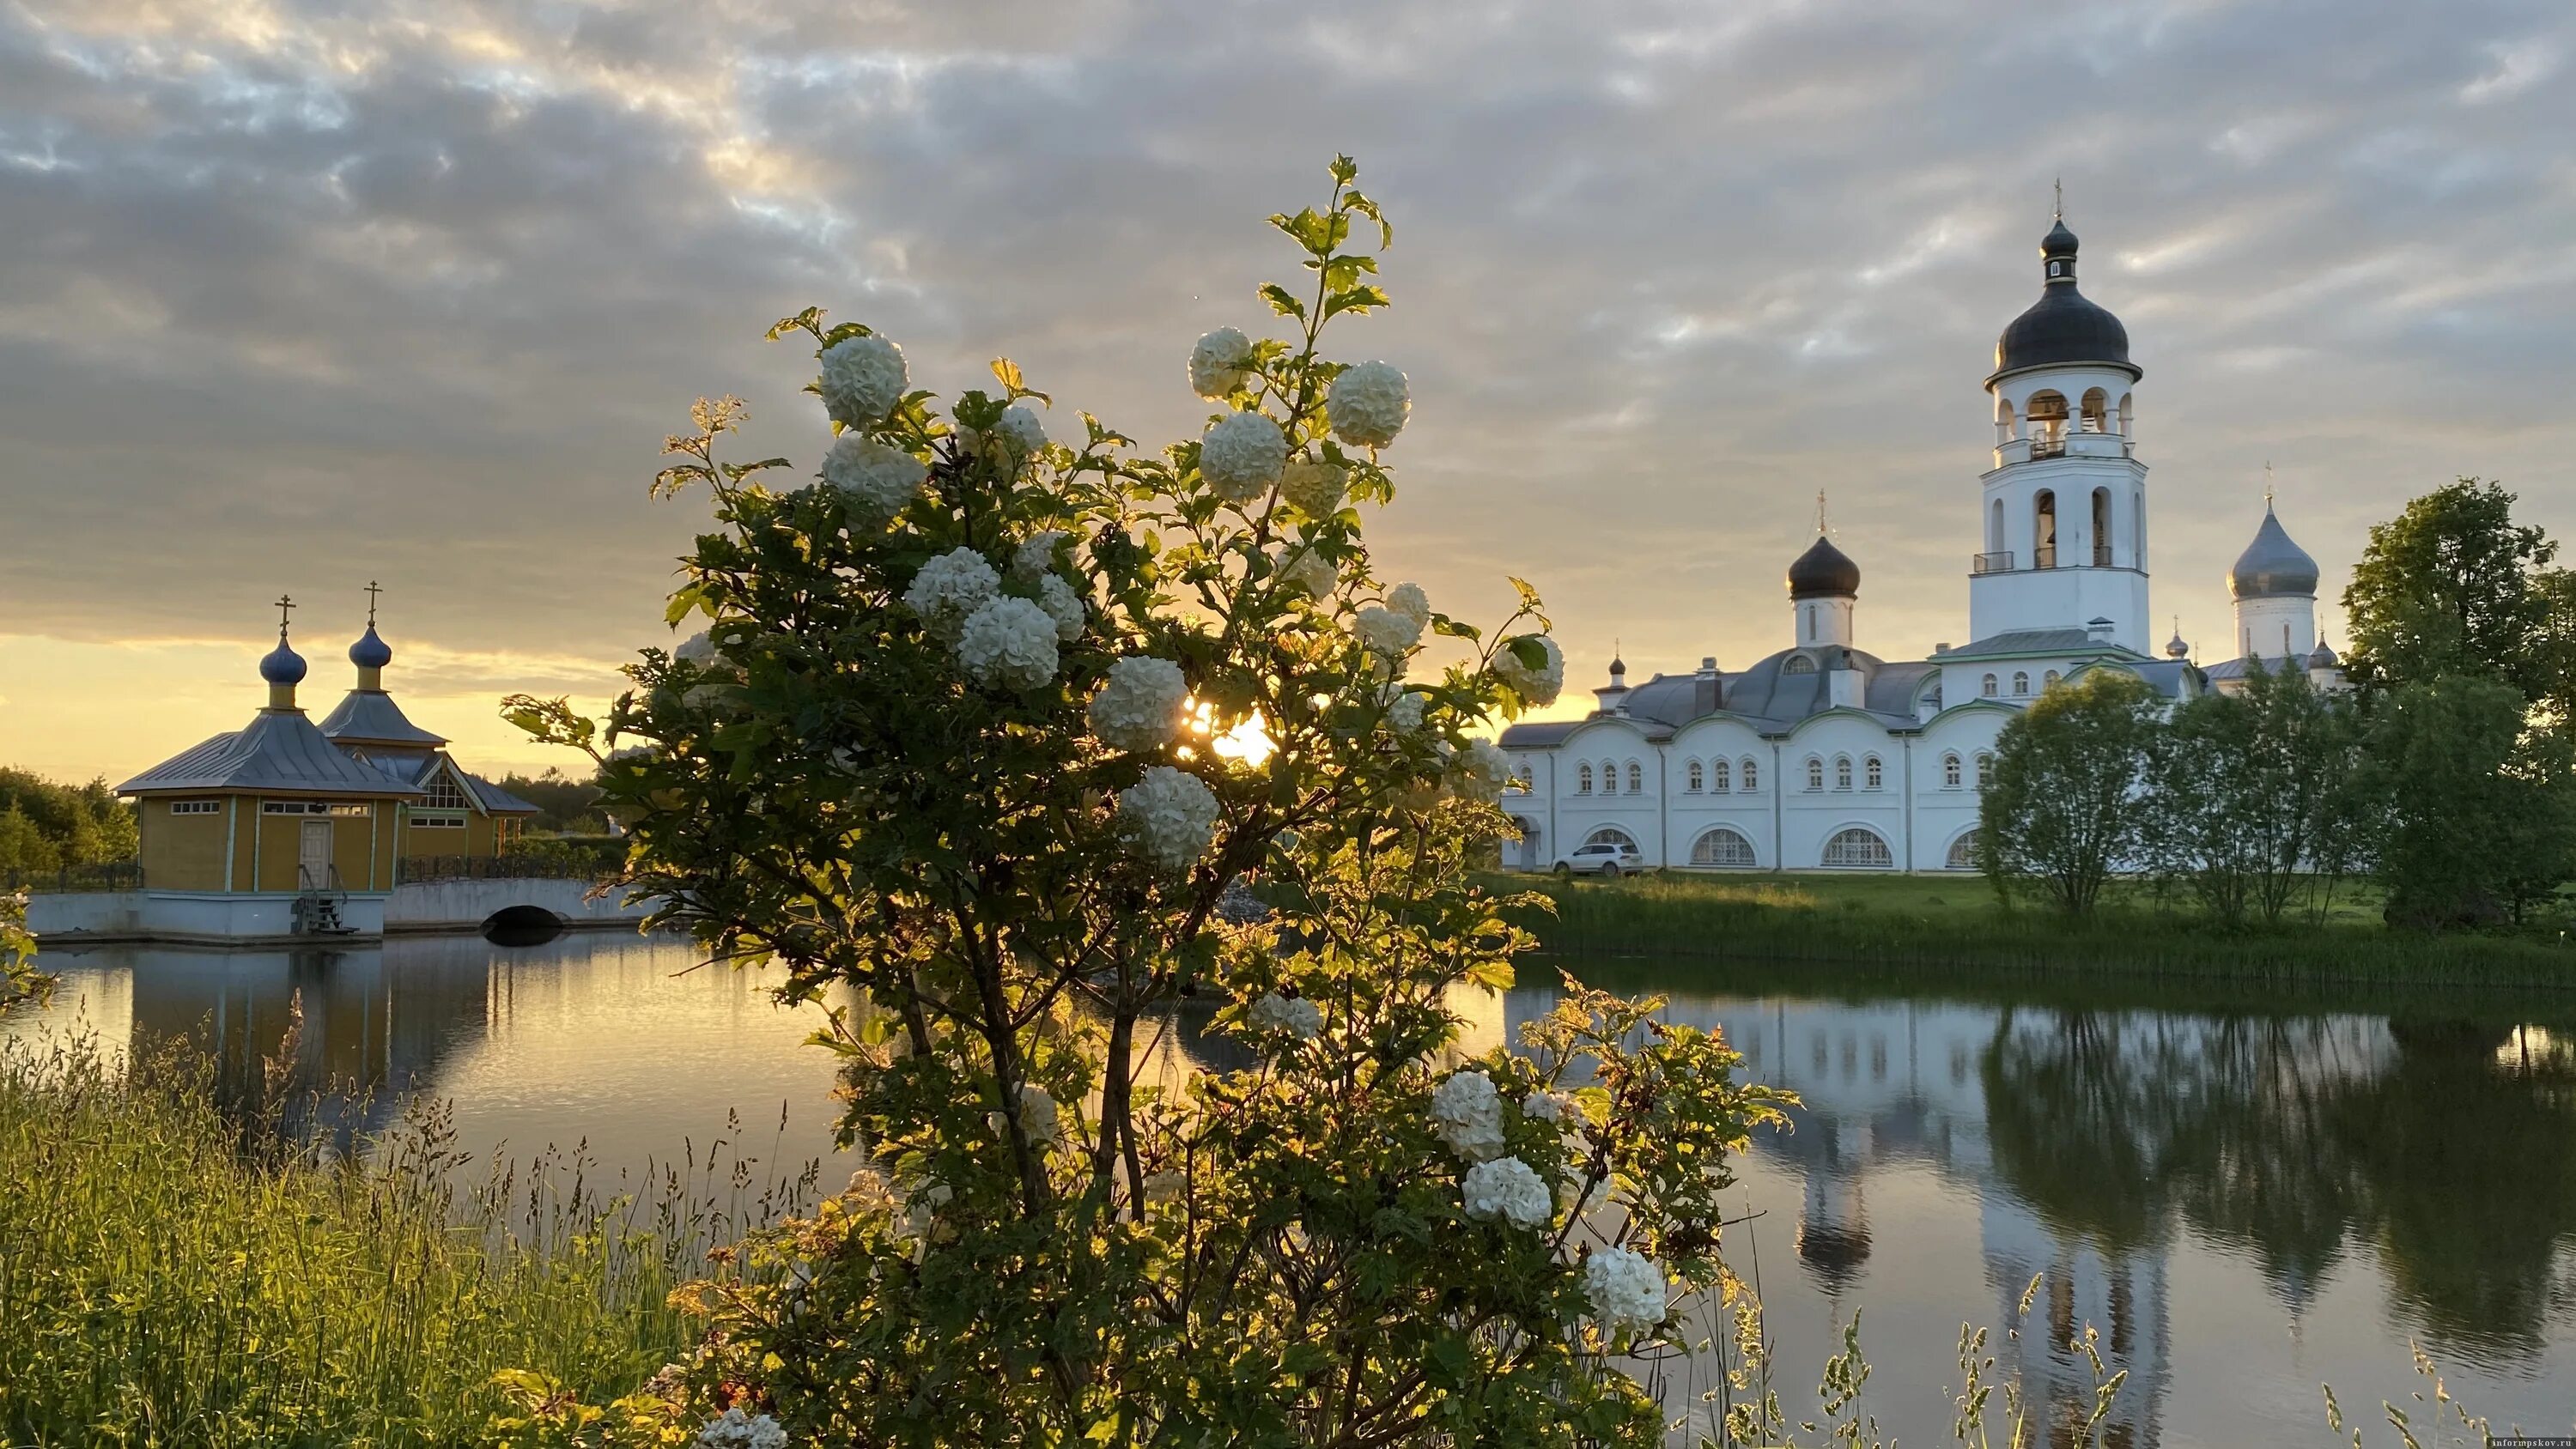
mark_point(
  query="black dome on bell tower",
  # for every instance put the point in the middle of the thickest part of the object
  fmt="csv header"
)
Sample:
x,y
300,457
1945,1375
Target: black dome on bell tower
x,y
2063,328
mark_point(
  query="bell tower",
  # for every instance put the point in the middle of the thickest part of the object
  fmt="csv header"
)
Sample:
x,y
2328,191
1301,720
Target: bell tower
x,y
2063,512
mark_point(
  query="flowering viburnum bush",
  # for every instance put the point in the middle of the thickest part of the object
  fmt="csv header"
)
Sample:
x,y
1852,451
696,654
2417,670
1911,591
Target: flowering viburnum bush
x,y
1626,1290
1015,759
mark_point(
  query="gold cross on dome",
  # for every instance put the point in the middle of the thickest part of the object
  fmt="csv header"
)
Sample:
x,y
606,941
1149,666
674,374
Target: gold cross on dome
x,y
2267,483
285,603
1820,513
2060,184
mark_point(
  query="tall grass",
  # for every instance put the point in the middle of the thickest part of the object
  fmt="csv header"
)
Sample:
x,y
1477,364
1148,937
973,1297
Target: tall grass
x,y
1958,924
181,1267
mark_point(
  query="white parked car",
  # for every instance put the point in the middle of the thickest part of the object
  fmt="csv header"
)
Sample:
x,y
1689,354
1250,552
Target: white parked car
x,y
1600,859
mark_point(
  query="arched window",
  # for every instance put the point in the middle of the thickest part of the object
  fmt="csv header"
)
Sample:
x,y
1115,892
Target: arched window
x,y
1751,775
1950,771
1723,848
1798,664
2097,410
1963,853
2043,529
2021,682
1858,848
1718,784
1872,775
1636,778
1583,779
1815,773
1842,772
1611,835
1522,780
2048,681
2101,528
1990,686
2047,414
1995,529
1691,782
1985,768
2005,432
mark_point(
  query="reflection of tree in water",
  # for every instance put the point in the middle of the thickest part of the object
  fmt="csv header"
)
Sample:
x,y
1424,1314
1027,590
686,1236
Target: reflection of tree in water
x,y
2292,1136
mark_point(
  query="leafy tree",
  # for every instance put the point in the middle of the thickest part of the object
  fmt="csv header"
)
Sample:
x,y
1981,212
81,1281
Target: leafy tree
x,y
566,804
24,850
2247,790
83,824
2473,808
1024,744
2454,586
2067,804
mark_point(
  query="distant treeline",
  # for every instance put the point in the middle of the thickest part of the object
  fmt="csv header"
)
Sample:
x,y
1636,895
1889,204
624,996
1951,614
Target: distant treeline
x,y
47,825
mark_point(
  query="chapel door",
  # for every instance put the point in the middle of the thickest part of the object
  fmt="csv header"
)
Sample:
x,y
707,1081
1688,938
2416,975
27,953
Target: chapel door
x,y
313,862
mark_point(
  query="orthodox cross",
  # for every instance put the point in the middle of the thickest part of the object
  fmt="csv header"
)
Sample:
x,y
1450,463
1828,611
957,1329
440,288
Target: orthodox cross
x,y
372,591
2267,484
1820,513
2060,184
285,602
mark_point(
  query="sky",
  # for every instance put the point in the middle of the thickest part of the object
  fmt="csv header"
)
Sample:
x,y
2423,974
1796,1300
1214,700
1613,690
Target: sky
x,y
298,295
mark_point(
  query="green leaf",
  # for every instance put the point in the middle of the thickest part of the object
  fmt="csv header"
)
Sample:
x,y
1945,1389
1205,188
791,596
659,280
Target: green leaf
x,y
688,597
1345,170
1363,298
1282,303
809,320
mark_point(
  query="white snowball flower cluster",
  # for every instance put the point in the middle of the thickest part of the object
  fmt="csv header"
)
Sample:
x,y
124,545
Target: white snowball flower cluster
x,y
1294,1015
1545,1106
1139,705
1022,430
1404,708
1410,601
1539,687
1241,456
701,650
1387,632
1368,404
878,481
1220,363
734,1429
1481,771
1063,605
1008,643
1626,1289
1171,815
949,588
1468,1115
1313,488
863,378
1037,1117
1312,573
1035,557
1507,1188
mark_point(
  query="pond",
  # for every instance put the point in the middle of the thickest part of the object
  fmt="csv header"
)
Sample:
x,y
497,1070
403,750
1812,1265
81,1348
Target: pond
x,y
2245,1199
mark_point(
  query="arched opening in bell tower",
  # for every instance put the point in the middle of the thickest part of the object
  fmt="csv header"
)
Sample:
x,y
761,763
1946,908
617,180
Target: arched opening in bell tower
x,y
2097,410
2043,530
2047,413
2101,528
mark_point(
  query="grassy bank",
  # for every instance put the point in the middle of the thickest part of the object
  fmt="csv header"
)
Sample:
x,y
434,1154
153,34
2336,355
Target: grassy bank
x,y
1957,925
172,1272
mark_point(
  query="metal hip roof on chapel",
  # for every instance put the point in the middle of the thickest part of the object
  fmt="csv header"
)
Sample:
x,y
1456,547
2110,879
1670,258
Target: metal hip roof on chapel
x,y
280,751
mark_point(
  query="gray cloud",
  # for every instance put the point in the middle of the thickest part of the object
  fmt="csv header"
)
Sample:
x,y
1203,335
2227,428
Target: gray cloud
x,y
295,295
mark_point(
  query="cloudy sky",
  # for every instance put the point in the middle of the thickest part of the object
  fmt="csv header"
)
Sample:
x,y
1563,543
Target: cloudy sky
x,y
297,295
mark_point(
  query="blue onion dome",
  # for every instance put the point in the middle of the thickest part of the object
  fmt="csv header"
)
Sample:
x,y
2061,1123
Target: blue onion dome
x,y
2062,328
1824,571
2175,648
2322,657
282,665
371,652
2272,567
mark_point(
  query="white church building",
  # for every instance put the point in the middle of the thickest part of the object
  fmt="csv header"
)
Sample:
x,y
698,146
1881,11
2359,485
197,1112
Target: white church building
x,y
1824,756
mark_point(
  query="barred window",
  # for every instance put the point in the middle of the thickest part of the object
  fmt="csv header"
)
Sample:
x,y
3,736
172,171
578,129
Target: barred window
x,y
1723,848
1963,853
1858,848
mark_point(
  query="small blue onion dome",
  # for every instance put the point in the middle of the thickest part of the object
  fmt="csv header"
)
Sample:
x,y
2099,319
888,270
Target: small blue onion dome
x,y
2322,657
2272,567
371,652
282,665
